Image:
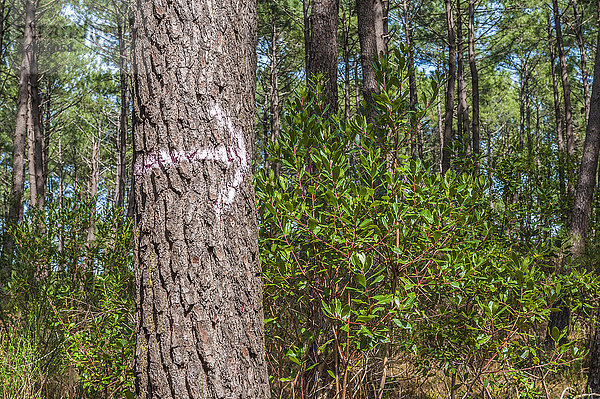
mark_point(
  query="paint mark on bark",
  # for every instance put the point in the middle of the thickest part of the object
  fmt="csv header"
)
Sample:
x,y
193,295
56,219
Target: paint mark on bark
x,y
234,156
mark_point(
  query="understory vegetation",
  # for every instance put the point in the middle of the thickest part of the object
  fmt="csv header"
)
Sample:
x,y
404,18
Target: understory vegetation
x,y
381,278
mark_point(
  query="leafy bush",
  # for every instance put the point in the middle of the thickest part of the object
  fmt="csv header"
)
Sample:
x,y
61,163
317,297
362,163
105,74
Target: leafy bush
x,y
72,278
372,262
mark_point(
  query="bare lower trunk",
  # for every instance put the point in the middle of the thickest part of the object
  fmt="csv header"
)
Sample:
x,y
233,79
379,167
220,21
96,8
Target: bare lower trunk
x,y
449,115
199,294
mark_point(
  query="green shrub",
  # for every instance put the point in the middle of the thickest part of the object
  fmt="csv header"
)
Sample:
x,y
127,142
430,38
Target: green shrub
x,y
72,279
372,259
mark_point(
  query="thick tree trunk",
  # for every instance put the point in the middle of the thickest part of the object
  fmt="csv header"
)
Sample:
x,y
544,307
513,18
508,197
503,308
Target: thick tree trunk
x,y
450,86
463,114
15,212
474,87
582,53
123,130
322,52
199,295
371,34
588,168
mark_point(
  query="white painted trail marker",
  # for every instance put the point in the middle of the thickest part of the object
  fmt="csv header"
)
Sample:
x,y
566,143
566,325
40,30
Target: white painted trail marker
x,y
232,156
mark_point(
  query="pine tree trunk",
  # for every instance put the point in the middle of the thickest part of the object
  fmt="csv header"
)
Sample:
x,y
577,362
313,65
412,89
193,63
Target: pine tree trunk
x,y
450,88
371,34
583,56
199,295
15,212
569,132
322,52
474,86
416,139
123,130
463,114
588,167
346,36
558,117
274,106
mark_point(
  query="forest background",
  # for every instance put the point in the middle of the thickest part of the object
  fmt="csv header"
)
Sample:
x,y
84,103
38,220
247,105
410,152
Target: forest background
x,y
428,223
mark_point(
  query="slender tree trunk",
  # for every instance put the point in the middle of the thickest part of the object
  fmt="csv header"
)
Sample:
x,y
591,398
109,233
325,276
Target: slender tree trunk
x,y
449,115
583,56
372,37
306,33
199,295
35,139
415,136
569,132
3,17
123,130
275,118
440,130
463,114
322,52
93,189
15,212
346,38
558,117
474,87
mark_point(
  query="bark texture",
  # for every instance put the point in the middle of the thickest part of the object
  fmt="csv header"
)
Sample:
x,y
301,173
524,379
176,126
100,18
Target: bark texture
x,y
15,212
450,88
371,34
322,50
199,294
586,184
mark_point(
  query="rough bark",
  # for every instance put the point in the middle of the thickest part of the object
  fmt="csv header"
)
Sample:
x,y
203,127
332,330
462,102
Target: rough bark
x,y
322,51
593,382
450,88
474,87
199,294
15,212
371,34
588,167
